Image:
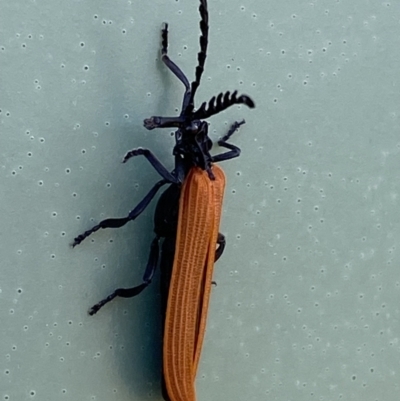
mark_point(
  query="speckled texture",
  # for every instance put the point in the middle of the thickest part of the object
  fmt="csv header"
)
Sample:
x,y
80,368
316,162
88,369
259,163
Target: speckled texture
x,y
306,305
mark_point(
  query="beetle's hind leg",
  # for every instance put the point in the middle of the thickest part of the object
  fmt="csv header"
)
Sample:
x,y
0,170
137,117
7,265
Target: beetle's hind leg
x,y
132,292
234,151
221,242
167,61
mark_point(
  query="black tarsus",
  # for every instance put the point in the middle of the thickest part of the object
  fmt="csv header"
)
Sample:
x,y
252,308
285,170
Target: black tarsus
x,y
119,292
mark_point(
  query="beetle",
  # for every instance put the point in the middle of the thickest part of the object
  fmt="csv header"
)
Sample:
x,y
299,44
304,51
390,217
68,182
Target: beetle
x,y
186,222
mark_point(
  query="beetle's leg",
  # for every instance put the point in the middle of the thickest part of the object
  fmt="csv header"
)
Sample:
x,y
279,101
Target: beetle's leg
x,y
132,292
234,150
116,223
167,61
163,122
221,242
165,174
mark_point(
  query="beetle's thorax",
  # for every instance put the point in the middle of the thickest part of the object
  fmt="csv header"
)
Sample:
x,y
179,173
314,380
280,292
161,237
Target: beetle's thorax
x,y
193,145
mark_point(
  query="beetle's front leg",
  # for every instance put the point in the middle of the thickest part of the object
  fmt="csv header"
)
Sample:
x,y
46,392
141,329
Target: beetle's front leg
x,y
234,150
168,62
158,166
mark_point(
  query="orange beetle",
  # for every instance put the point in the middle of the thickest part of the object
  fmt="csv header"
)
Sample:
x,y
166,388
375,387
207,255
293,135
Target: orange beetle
x,y
186,223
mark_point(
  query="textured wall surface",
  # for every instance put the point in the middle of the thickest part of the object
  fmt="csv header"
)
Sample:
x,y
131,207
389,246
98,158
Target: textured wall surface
x,y
307,301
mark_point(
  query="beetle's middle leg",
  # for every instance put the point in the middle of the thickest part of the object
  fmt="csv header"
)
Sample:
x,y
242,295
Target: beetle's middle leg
x,y
119,222
132,292
116,223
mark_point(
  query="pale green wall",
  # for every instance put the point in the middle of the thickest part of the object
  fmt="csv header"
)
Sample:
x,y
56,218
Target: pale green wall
x,y
307,301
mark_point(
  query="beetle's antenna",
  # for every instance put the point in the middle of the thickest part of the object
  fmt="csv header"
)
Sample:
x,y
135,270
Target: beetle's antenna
x,y
220,103
201,56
